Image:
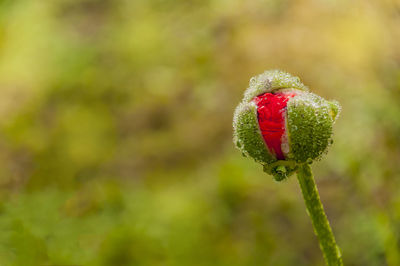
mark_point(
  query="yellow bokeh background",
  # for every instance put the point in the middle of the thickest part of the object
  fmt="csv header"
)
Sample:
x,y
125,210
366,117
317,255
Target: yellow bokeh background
x,y
116,131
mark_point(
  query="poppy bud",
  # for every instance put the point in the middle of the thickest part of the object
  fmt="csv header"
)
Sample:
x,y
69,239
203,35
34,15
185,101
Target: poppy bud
x,y
281,125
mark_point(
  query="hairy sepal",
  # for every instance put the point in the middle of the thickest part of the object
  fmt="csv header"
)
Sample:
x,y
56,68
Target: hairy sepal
x,y
310,119
270,81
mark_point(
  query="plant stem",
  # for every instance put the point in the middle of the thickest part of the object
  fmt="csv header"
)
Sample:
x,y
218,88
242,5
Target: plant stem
x,y
318,217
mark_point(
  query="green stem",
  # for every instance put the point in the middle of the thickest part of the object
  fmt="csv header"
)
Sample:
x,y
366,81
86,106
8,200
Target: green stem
x,y
318,217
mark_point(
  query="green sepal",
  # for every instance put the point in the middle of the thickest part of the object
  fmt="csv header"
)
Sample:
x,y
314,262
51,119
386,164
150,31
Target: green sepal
x,y
270,81
309,126
247,134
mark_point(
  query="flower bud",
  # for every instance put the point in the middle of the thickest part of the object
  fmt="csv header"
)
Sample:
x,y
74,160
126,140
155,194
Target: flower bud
x,y
280,124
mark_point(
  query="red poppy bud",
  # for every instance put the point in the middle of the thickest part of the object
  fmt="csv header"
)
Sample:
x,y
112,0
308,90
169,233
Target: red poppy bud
x,y
281,125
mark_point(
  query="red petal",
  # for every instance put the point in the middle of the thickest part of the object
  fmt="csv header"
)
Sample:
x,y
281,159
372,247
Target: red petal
x,y
271,112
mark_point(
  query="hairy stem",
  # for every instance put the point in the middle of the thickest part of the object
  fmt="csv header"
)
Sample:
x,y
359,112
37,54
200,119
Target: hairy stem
x,y
318,217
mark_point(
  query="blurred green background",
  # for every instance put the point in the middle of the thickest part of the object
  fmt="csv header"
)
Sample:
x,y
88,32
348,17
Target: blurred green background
x,y
116,137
